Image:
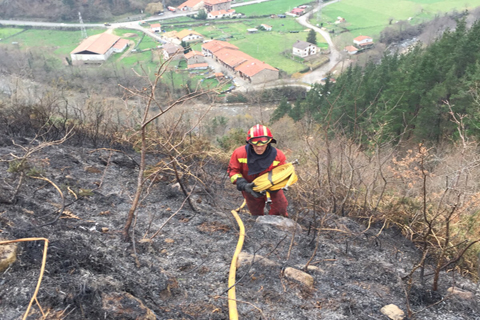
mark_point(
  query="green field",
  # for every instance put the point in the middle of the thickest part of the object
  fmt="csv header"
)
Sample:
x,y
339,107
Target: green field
x,y
54,42
270,7
268,46
370,17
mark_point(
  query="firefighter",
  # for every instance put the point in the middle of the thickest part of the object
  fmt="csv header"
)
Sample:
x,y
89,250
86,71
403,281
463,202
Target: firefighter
x,y
252,160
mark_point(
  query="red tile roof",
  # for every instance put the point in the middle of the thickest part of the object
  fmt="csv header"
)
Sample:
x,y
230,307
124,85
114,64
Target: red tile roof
x,y
192,54
221,12
351,49
190,3
120,44
254,66
99,43
212,2
216,45
198,65
361,38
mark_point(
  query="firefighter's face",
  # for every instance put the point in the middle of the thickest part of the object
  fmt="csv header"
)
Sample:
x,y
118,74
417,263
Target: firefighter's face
x,y
260,149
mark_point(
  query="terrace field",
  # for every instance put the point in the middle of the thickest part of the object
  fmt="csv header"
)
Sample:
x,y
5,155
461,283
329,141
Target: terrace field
x,y
370,17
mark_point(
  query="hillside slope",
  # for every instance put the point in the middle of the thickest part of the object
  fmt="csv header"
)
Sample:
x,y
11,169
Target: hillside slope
x,y
178,267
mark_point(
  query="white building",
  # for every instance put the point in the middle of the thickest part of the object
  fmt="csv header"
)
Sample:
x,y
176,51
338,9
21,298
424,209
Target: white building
x,y
304,49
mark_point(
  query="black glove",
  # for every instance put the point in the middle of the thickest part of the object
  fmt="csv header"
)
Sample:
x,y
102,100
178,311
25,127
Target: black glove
x,y
243,185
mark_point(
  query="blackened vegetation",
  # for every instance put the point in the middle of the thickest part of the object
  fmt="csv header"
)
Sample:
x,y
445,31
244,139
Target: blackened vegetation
x,y
182,273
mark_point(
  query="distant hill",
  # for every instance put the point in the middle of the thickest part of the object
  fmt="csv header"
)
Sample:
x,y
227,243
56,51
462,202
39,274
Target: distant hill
x,y
67,10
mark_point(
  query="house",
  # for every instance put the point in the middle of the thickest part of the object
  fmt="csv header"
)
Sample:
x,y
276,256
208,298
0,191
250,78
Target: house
x,y
297,11
171,37
217,5
97,48
351,49
173,51
220,14
120,45
256,71
363,40
191,5
266,27
252,30
239,63
155,27
340,20
188,36
194,57
210,48
198,66
304,49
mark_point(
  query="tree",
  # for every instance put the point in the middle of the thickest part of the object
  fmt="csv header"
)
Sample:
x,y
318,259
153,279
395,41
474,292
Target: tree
x,y
283,109
202,14
186,47
312,37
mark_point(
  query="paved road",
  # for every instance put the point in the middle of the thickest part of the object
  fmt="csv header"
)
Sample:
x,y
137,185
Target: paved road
x,y
305,81
335,55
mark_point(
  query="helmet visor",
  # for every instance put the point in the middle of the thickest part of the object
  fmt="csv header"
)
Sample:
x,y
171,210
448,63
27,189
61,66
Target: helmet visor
x,y
260,141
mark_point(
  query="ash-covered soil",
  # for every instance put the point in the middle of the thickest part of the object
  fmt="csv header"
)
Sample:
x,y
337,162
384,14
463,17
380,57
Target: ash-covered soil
x,y
177,267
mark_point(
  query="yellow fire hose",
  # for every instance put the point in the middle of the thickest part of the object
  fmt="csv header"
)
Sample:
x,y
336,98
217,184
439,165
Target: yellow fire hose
x,y
280,177
232,298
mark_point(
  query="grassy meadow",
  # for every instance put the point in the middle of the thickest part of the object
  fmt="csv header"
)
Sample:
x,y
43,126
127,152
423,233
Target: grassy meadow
x,y
370,17
270,7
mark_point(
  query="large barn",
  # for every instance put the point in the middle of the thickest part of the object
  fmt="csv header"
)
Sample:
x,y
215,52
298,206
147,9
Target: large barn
x,y
98,48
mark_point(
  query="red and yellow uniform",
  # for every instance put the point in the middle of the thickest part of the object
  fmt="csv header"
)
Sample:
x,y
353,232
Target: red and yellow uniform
x,y
238,168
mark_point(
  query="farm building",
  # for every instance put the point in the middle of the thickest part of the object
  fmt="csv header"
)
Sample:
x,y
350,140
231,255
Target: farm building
x,y
220,14
351,49
156,27
211,47
304,49
266,27
297,11
173,51
198,66
188,36
97,48
363,41
194,57
239,63
217,5
191,5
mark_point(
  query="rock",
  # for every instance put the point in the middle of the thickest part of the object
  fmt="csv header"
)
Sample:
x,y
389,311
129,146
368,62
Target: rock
x,y
280,222
122,305
122,160
245,258
299,276
393,312
8,255
463,294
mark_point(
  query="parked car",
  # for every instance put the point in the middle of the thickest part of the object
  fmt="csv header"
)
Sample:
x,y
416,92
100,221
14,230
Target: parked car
x,y
106,24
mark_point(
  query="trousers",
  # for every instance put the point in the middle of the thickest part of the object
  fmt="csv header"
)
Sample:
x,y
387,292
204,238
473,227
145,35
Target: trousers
x,y
256,206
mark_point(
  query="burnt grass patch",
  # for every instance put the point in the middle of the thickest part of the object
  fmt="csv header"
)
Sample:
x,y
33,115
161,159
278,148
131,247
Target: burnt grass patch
x,y
182,271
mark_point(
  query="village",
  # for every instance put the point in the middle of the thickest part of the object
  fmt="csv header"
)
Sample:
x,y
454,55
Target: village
x,y
207,55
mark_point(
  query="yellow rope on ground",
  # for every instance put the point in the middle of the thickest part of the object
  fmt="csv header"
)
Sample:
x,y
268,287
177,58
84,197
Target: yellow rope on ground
x,y
232,299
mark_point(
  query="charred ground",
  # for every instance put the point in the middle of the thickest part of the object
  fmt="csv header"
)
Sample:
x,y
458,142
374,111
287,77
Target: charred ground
x,y
181,273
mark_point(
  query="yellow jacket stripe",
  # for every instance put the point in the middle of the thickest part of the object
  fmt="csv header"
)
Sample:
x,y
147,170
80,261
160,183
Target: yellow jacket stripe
x,y
242,160
235,177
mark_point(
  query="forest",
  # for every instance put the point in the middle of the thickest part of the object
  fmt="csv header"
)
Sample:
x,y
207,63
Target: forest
x,y
411,96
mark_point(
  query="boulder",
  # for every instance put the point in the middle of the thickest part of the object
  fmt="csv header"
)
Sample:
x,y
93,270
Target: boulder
x,y
8,255
393,312
122,305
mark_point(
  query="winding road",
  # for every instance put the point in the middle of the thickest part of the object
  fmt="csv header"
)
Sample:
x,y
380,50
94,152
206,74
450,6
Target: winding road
x,y
306,81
